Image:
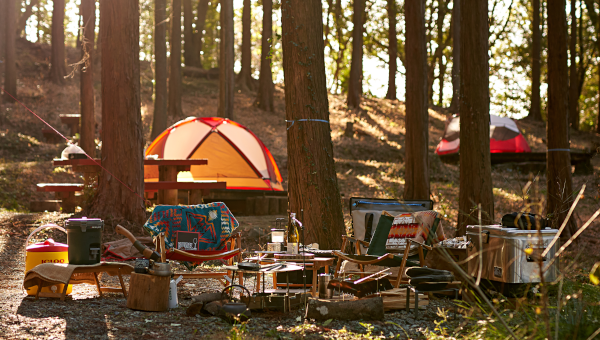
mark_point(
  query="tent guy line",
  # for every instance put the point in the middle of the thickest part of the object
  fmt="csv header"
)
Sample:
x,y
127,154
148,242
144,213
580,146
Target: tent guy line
x,y
69,141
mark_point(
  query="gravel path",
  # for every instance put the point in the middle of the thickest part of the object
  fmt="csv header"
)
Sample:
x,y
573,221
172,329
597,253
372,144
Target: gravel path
x,y
84,315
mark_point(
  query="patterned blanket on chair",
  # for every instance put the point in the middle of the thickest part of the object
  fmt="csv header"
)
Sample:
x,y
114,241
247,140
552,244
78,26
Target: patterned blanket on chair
x,y
213,221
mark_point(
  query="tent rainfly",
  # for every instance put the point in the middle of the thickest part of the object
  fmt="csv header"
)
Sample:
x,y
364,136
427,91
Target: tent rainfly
x,y
235,154
504,137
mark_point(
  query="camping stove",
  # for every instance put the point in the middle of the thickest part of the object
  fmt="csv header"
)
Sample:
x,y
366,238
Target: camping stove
x,y
503,253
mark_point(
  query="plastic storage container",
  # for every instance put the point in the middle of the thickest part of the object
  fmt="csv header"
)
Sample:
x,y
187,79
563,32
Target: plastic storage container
x,y
46,252
84,237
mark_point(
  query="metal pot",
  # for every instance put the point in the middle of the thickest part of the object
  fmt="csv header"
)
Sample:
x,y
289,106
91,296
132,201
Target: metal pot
x,y
160,269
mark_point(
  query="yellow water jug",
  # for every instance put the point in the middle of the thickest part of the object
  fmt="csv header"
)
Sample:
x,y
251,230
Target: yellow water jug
x,y
46,252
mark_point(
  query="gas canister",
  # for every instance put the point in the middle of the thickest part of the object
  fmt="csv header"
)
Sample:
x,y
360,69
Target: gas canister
x,y
46,252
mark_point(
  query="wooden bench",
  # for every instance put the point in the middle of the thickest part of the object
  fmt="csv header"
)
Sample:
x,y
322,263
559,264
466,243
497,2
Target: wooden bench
x,y
198,189
72,121
65,192
51,136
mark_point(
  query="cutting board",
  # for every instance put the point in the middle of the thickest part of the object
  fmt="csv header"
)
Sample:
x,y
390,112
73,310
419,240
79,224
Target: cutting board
x,y
301,256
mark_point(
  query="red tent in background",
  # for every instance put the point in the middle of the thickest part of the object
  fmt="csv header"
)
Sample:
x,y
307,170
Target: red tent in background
x,y
235,154
504,137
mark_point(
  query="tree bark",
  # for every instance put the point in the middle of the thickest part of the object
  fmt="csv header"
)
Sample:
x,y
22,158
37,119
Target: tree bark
x,y
226,60
86,80
58,70
264,97
392,50
174,103
312,179
535,112
417,132
25,16
573,77
10,65
245,77
356,65
557,134
454,106
3,23
475,162
200,24
159,120
191,54
439,51
120,192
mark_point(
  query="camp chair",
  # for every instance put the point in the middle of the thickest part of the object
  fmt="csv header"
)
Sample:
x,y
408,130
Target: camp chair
x,y
166,221
378,255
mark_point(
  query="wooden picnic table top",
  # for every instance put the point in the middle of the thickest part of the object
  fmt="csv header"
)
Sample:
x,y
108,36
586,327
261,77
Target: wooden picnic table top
x,y
87,161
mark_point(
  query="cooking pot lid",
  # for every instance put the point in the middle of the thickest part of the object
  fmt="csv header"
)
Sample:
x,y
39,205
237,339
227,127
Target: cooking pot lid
x,y
47,246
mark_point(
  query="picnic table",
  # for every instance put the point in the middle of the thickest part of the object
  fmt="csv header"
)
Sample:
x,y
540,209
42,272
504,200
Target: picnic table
x,y
167,185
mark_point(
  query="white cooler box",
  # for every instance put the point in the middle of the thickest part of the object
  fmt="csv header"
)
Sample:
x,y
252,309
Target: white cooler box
x,y
503,254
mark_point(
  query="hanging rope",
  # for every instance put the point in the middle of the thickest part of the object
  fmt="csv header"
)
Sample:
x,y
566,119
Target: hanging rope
x,y
305,120
69,141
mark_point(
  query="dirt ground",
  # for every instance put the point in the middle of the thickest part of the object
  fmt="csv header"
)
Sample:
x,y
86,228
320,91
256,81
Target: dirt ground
x,y
370,164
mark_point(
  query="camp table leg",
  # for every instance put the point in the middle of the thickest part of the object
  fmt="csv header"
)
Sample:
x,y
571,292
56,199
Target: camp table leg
x,y
37,294
97,283
314,279
122,284
64,292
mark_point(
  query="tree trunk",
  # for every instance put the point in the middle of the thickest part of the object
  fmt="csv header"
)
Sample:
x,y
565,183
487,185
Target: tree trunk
x,y
454,106
175,72
159,120
191,54
86,79
245,77
200,24
392,50
120,192
226,60
356,65
441,76
439,51
535,112
312,178
25,16
573,77
10,64
58,70
417,132
475,162
558,158
264,97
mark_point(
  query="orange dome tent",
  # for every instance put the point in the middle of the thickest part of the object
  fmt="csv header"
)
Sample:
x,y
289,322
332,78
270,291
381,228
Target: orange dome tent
x,y
235,154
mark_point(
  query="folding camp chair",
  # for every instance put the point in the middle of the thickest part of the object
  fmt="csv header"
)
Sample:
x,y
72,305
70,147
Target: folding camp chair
x,y
218,236
378,255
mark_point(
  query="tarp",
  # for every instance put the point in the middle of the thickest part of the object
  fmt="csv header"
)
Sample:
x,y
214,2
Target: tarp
x,y
235,154
505,136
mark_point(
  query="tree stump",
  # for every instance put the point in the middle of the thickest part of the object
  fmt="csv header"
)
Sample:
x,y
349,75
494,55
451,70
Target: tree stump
x,y
261,206
148,292
349,132
273,205
363,309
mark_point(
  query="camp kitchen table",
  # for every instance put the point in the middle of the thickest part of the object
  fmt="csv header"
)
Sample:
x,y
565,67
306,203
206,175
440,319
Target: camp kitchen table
x,y
168,170
313,265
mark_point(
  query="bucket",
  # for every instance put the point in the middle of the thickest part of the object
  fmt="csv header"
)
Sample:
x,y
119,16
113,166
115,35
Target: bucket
x,y
46,252
84,237
324,292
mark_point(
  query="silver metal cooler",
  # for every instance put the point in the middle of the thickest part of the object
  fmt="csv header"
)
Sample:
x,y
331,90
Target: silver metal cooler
x,y
503,254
